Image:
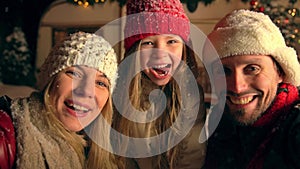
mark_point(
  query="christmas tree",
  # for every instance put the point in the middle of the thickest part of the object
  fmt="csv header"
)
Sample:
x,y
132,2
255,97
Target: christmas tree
x,y
15,61
284,14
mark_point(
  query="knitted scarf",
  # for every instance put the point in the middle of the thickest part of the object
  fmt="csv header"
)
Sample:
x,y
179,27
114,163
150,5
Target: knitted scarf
x,y
283,103
37,145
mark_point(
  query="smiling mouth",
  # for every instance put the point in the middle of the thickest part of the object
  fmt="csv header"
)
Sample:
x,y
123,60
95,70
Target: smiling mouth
x,y
240,101
162,70
76,107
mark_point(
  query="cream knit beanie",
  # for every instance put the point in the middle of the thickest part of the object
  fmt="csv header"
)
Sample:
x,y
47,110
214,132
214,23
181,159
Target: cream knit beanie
x,y
245,32
80,49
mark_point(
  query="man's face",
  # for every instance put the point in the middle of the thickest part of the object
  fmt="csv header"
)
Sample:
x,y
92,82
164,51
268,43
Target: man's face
x,y
252,82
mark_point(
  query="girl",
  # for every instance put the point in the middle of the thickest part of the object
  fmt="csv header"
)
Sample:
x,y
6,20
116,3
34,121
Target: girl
x,y
158,105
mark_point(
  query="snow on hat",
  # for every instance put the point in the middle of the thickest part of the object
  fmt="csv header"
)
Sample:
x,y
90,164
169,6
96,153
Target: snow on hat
x,y
245,32
151,17
84,49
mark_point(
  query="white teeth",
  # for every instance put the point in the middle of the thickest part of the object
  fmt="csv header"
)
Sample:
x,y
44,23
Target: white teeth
x,y
77,107
160,66
163,74
243,100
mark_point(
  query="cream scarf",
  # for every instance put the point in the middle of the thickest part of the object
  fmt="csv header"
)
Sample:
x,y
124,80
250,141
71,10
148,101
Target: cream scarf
x,y
37,146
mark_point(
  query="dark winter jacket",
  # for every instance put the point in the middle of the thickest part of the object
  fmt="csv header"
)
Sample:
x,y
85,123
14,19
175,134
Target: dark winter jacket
x,y
233,146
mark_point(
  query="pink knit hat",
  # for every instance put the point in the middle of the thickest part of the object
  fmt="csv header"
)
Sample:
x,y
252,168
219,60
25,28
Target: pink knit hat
x,y
151,17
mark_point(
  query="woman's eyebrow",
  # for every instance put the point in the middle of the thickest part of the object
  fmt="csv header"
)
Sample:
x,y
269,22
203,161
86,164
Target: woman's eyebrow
x,y
101,75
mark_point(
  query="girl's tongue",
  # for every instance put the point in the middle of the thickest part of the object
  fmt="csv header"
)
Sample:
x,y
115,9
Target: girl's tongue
x,y
161,71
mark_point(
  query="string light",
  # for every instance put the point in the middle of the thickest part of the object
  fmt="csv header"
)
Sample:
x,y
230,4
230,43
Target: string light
x,y
86,3
283,16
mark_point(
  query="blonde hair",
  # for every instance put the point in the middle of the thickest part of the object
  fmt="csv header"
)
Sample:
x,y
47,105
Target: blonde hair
x,y
96,157
139,89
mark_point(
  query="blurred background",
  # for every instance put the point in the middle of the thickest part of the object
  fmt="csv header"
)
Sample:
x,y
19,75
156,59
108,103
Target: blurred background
x,y
29,28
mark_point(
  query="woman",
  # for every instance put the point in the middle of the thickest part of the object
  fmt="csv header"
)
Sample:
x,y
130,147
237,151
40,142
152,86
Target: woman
x,y
52,128
159,70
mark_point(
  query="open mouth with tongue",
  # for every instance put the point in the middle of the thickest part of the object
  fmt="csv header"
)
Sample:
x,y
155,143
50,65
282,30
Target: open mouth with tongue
x,y
160,71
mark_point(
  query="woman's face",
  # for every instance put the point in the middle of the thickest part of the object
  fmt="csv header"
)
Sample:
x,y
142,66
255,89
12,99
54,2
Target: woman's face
x,y
78,94
160,57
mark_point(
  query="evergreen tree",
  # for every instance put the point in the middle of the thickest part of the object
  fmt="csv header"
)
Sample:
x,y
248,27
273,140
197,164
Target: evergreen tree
x,y
15,61
284,14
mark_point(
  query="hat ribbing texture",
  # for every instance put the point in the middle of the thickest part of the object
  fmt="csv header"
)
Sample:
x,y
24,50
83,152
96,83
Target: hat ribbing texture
x,y
245,32
152,17
80,49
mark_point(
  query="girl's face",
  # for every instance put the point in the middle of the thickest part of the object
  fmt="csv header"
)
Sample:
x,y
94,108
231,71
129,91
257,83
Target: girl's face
x,y
160,57
78,95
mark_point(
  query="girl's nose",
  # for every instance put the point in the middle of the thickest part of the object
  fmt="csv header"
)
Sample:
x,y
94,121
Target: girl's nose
x,y
159,51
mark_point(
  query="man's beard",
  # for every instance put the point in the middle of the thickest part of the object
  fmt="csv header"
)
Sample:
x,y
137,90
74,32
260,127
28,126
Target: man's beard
x,y
238,117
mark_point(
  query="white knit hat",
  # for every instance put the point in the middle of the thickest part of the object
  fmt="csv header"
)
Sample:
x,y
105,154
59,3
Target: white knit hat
x,y
245,32
80,49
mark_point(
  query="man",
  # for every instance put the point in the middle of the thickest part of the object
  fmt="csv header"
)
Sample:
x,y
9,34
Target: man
x,y
260,124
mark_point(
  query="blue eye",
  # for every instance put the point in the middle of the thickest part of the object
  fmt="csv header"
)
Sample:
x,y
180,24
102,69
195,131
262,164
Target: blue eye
x,y
73,73
101,84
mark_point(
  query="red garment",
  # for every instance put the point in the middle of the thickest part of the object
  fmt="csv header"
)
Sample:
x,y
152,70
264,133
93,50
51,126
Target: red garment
x,y
7,141
280,107
271,142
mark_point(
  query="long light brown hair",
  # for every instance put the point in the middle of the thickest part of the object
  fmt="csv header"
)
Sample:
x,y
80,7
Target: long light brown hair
x,y
140,87
96,157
